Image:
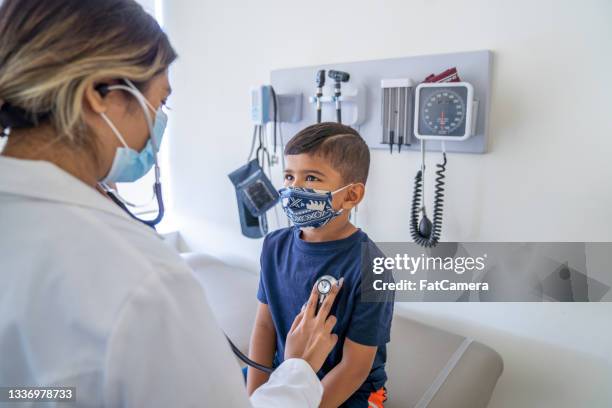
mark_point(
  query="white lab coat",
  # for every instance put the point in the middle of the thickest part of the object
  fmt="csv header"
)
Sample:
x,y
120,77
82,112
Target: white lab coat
x,y
93,299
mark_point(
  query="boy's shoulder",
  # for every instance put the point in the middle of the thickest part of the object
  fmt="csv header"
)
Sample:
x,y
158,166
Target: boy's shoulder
x,y
284,236
277,237
369,247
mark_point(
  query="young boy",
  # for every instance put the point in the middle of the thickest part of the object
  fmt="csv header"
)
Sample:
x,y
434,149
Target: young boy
x,y
332,158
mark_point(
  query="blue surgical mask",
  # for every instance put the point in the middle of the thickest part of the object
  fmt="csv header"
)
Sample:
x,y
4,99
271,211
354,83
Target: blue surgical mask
x,y
128,164
307,207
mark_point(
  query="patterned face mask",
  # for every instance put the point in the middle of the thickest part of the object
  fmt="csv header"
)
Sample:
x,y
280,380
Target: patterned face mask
x,y
307,207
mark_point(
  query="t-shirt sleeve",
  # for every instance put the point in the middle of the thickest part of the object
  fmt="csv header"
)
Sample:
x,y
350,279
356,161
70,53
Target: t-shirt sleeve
x,y
262,296
261,291
370,323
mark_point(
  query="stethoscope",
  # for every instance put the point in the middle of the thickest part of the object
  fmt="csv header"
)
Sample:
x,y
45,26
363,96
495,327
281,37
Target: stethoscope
x,y
324,286
157,190
113,194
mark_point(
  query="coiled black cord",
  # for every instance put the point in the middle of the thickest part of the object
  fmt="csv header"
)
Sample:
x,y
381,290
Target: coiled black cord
x,y
426,233
416,206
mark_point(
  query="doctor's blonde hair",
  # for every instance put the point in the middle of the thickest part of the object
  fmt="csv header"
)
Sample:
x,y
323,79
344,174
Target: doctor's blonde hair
x,y
52,50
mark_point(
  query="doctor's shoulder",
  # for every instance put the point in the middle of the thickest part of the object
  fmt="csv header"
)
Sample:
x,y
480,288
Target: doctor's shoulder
x,y
146,246
96,243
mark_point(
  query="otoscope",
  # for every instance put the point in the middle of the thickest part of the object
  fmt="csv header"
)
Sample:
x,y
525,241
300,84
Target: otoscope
x,y
320,84
338,77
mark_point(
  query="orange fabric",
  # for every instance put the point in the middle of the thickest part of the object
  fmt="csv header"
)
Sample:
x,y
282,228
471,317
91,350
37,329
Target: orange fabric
x,y
378,398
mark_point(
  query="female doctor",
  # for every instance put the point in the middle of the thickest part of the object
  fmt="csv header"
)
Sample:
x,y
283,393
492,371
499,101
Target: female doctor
x,y
90,298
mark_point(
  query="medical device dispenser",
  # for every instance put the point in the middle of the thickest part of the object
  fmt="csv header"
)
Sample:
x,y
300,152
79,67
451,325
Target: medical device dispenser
x,y
396,112
267,106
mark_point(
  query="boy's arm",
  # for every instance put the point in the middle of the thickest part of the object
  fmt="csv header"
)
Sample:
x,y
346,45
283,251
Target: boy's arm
x,y
262,347
345,378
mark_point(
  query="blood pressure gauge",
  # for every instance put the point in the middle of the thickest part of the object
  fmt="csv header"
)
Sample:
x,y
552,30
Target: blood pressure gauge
x,y
443,111
324,286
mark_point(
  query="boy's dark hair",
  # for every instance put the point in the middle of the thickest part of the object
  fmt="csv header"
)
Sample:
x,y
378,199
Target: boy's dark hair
x,y
341,145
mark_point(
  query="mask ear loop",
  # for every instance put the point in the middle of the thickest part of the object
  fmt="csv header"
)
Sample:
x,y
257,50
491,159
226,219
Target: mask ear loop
x,y
114,129
108,188
157,192
342,188
341,210
139,94
144,104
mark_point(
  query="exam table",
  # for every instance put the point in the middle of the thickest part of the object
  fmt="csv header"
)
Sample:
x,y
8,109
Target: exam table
x,y
426,366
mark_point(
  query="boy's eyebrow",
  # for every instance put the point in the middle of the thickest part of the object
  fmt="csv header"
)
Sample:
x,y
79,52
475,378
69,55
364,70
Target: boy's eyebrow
x,y
313,171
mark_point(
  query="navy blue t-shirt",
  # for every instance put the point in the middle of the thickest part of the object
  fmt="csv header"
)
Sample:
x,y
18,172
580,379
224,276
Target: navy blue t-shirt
x,y
289,268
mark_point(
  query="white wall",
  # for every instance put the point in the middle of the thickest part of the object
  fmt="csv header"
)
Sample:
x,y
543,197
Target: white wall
x,y
546,177
148,5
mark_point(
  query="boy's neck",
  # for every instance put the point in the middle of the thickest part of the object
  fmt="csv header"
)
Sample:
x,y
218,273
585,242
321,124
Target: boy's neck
x,y
330,232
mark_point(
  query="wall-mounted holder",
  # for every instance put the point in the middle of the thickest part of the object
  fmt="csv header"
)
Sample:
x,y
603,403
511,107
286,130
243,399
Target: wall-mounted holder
x,y
473,67
396,112
262,106
290,107
353,101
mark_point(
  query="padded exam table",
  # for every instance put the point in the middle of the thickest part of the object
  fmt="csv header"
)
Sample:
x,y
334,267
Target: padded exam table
x,y
427,367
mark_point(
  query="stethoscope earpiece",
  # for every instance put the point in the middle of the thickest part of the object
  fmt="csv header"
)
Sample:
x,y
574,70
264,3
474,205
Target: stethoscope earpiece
x,y
102,89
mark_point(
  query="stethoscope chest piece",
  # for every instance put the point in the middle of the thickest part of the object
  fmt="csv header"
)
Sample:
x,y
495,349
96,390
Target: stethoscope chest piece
x,y
324,286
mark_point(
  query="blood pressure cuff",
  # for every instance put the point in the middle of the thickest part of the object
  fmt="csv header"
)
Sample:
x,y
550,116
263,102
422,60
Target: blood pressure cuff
x,y
254,189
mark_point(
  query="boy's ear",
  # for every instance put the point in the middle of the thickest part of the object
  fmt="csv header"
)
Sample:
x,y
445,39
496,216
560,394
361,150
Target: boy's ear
x,y
354,195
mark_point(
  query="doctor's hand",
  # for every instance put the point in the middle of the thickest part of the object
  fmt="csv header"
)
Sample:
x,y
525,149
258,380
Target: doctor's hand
x,y
310,337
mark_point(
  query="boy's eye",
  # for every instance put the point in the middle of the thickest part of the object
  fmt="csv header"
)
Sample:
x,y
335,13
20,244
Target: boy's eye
x,y
288,177
312,178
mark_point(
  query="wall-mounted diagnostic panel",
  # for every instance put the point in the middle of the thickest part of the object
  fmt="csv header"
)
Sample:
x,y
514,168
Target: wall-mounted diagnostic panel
x,y
425,103
379,99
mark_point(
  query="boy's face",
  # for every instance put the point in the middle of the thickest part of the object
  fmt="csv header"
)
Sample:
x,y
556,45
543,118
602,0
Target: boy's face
x,y
312,171
305,170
